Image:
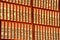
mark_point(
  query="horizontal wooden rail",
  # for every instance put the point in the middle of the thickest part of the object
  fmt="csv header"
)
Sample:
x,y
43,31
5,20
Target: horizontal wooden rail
x,y
15,21
7,39
47,9
31,23
15,3
48,25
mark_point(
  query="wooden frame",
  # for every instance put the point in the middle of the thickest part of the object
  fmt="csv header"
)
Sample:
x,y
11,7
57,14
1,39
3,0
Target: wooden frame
x,y
32,16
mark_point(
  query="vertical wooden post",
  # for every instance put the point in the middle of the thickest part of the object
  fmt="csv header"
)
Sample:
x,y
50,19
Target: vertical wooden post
x,y
0,30
32,18
59,18
59,5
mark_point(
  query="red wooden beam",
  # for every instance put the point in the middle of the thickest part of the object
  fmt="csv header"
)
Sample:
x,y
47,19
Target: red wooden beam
x,y
59,5
46,9
48,25
15,3
59,19
0,30
32,18
15,21
7,39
